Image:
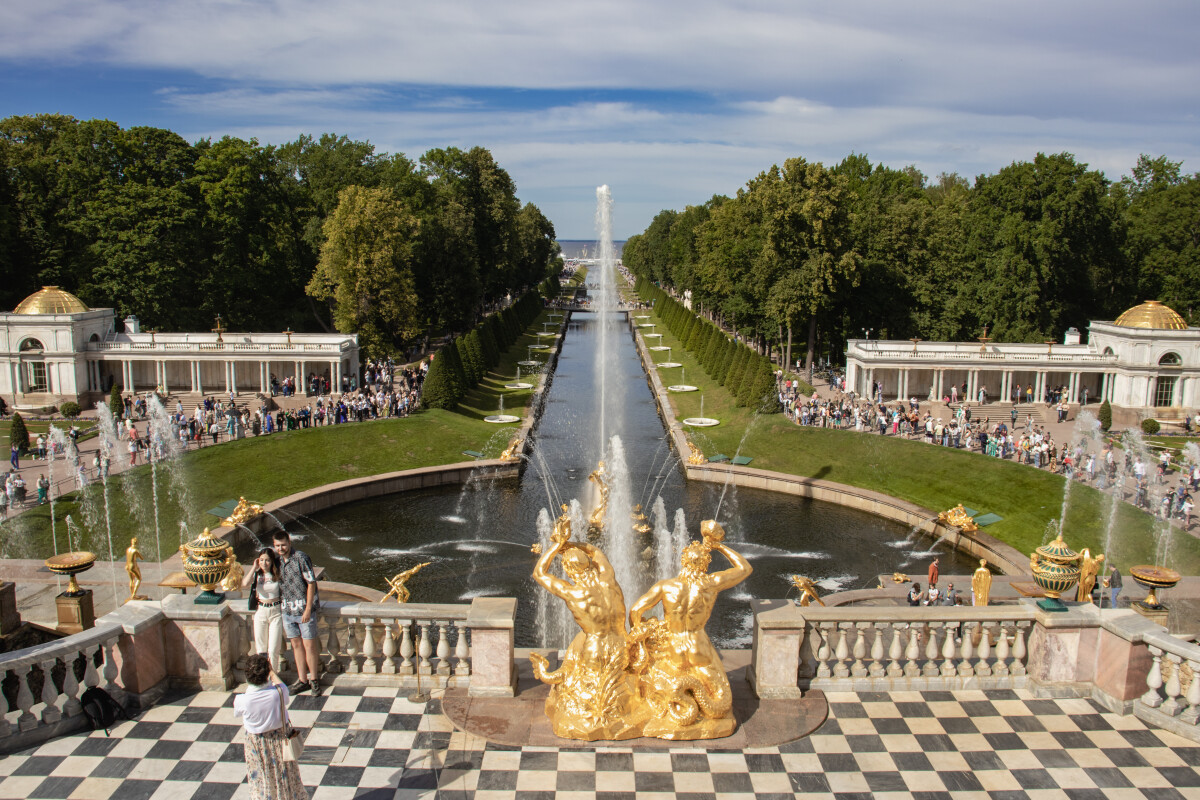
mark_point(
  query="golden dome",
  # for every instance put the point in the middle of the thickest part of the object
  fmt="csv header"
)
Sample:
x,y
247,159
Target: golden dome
x,y
1152,314
51,300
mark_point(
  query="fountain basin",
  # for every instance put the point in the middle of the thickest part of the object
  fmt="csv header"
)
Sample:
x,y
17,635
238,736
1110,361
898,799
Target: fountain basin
x,y
646,325
668,364
547,334
701,422
501,419
539,347
651,335
659,348
682,387
518,385
1154,578
529,363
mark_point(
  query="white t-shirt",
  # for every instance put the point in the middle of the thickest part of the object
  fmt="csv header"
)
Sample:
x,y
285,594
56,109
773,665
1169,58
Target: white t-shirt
x,y
268,590
259,706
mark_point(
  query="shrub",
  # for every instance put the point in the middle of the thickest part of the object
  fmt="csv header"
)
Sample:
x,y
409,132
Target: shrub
x,y
18,434
1105,416
1150,426
70,409
115,405
438,389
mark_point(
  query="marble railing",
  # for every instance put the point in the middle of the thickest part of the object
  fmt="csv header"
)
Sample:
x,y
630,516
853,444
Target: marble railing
x,y
1172,697
888,648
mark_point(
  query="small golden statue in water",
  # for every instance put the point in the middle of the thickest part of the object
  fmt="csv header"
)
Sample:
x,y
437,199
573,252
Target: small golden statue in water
x,y
640,525
399,589
808,590
132,555
899,577
600,478
511,452
697,456
243,512
959,518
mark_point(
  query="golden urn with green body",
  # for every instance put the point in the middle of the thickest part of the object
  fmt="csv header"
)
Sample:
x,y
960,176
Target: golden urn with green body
x,y
1055,569
206,562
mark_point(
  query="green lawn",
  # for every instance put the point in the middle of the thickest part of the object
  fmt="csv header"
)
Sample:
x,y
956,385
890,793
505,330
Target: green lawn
x,y
934,477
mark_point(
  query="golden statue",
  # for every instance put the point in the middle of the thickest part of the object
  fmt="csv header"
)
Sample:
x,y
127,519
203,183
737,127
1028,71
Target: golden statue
x,y
680,676
697,456
808,590
981,584
132,555
243,512
600,478
233,579
959,518
639,520
899,577
592,696
398,588
1088,569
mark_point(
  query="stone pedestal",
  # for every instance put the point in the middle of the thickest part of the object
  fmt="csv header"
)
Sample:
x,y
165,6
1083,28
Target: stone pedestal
x,y
10,618
493,670
775,664
75,614
1157,615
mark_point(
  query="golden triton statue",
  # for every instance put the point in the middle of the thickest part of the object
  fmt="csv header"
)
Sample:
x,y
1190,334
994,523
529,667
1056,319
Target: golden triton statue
x,y
959,518
397,583
899,577
243,512
697,456
808,590
680,675
592,696
639,520
132,555
600,478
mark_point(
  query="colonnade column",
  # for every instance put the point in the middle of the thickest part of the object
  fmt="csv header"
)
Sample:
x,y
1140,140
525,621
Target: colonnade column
x,y
233,377
939,379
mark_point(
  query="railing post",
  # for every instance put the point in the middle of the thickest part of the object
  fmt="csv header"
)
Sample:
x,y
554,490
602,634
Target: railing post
x,y
777,646
1192,714
1154,680
493,671
51,713
1173,687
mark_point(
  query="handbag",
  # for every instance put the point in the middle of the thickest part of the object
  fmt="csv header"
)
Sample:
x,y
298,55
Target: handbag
x,y
293,744
252,600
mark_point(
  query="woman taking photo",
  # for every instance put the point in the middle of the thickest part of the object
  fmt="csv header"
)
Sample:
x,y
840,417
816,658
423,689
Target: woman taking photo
x,y
262,709
265,600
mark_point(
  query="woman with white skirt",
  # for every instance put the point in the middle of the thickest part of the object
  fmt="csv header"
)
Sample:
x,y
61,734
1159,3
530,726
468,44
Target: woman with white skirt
x,y
265,600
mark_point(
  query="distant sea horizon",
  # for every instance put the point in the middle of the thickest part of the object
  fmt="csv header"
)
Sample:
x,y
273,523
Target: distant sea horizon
x,y
586,248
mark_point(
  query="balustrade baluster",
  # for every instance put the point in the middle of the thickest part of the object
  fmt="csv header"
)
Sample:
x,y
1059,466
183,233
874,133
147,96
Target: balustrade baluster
x,y
51,713
877,667
370,665
930,668
895,651
71,707
983,667
949,669
389,650
1154,680
27,721
90,677
406,647
823,651
333,647
243,643
1001,668
965,668
859,669
424,649
352,665
841,654
462,666
110,671
913,652
1192,714
443,649
1173,687
1019,653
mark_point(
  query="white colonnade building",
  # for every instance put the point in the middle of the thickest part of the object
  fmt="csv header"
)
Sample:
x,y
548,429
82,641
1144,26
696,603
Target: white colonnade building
x,y
54,348
1148,359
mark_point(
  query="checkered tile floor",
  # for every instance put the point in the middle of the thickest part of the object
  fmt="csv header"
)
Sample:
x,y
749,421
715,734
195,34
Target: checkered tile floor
x,y
371,744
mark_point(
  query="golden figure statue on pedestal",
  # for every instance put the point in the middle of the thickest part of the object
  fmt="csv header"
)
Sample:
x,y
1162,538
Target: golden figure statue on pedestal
x,y
680,675
959,518
1088,569
132,555
233,579
592,695
399,589
981,584
808,590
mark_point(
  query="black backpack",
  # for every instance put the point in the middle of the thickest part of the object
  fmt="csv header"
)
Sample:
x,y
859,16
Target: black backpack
x,y
101,709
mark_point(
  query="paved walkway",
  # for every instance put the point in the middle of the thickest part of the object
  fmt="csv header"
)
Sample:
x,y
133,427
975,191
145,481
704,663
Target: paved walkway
x,y
371,743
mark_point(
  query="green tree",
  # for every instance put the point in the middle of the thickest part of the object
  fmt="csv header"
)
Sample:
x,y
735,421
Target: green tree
x,y
115,404
18,434
1105,416
438,390
366,269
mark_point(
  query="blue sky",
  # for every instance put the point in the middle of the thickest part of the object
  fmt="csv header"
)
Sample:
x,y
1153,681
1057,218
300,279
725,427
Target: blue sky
x,y
667,102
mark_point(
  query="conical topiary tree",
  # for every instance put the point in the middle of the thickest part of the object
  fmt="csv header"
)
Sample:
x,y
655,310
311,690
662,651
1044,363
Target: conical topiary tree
x,y
18,434
476,350
1105,416
115,404
464,358
438,389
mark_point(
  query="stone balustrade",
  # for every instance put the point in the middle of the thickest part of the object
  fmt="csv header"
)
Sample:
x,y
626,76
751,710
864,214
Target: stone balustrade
x,y
1172,696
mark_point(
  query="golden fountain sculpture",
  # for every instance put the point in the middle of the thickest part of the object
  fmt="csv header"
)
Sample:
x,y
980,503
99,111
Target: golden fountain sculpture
x,y
243,512
132,556
596,521
640,525
808,590
697,456
397,584
959,518
661,678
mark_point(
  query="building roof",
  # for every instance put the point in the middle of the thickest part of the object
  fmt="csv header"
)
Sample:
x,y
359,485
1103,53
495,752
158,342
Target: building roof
x,y
51,300
1152,314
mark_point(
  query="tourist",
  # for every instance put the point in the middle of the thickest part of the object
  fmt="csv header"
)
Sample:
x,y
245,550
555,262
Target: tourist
x,y
301,602
1186,506
43,490
264,599
931,597
15,458
914,595
933,571
264,716
1113,582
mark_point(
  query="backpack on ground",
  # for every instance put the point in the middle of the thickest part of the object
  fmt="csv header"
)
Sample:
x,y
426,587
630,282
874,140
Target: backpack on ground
x,y
101,709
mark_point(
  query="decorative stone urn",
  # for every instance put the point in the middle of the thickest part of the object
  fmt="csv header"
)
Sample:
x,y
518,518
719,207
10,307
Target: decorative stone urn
x,y
206,562
1154,578
71,564
1055,568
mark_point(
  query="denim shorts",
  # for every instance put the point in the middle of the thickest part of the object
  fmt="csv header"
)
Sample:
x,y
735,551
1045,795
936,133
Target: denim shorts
x,y
293,628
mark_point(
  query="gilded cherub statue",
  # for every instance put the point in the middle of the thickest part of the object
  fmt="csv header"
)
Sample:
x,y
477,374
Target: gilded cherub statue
x,y
808,590
132,555
233,578
680,675
397,583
